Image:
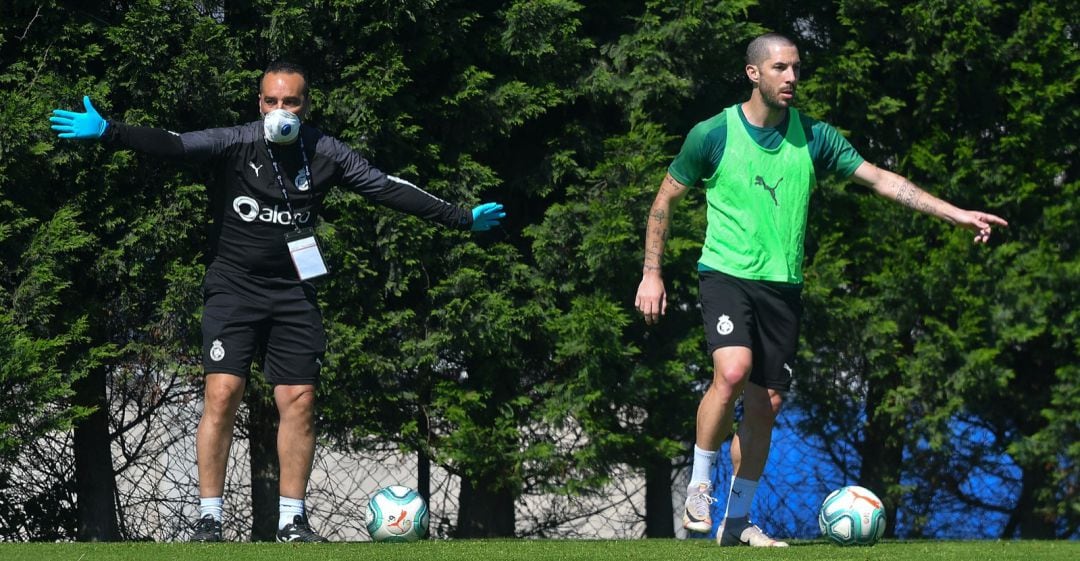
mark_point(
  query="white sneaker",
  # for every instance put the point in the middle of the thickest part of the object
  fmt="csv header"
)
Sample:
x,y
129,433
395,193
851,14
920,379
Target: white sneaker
x,y
696,516
740,531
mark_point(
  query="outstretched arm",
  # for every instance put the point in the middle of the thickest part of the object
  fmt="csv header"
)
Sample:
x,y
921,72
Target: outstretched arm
x,y
651,297
900,189
90,125
487,216
87,125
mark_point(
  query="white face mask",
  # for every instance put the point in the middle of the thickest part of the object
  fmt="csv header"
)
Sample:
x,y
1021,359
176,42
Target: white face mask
x,y
281,126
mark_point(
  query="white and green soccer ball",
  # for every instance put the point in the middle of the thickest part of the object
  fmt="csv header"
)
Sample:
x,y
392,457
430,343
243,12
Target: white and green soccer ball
x,y
852,515
397,514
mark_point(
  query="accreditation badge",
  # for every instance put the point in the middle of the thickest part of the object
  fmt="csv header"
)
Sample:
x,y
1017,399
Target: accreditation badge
x,y
305,253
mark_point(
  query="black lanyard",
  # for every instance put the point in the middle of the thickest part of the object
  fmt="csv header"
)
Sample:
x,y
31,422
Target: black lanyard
x,y
281,183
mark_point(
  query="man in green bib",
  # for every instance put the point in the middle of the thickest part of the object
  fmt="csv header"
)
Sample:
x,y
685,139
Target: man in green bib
x,y
758,161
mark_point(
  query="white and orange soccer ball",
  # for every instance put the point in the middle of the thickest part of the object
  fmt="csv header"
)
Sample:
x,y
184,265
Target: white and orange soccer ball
x,y
852,515
397,514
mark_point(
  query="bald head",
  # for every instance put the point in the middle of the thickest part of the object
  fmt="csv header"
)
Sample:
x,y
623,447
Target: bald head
x,y
758,49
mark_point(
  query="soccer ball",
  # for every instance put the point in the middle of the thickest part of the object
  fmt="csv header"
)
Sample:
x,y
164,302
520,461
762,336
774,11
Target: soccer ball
x,y
852,516
397,514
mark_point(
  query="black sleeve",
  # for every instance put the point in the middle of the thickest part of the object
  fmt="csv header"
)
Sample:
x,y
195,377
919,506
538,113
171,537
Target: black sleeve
x,y
189,146
360,176
157,142
406,197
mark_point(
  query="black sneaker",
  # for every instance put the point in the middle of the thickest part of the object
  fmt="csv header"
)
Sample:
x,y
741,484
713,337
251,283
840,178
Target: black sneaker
x,y
207,530
299,531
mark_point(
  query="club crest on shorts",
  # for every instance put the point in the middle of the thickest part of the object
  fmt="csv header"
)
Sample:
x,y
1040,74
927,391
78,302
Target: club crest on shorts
x,y
217,350
724,326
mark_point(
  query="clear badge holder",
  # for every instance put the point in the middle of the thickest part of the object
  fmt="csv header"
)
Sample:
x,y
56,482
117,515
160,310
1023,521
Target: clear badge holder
x,y
305,253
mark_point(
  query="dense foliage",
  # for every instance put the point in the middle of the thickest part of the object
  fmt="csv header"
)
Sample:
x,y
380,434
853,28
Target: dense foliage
x,y
568,113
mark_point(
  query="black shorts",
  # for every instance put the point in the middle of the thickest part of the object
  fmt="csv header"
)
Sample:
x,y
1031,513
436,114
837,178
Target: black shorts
x,y
760,315
247,315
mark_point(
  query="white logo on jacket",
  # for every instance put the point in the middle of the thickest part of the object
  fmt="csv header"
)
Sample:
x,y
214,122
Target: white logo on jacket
x,y
249,210
302,181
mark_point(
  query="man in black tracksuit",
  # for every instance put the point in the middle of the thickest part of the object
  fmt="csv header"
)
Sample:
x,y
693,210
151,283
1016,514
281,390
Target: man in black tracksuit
x,y
271,178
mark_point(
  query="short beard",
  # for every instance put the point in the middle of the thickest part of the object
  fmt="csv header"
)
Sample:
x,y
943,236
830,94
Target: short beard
x,y
772,100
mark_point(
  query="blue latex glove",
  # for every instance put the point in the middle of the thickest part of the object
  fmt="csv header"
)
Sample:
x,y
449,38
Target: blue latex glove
x,y
486,216
87,125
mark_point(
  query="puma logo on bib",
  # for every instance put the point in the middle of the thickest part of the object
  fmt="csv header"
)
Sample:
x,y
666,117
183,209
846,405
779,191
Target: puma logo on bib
x,y
772,190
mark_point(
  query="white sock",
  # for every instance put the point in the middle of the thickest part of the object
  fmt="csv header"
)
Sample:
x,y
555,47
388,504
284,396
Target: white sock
x,y
703,463
287,509
740,497
212,506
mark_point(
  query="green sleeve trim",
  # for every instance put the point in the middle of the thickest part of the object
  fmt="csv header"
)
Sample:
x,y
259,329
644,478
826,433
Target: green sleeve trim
x,y
829,149
701,151
678,176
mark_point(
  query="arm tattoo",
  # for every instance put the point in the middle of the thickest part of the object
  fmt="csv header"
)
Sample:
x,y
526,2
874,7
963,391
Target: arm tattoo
x,y
905,193
671,186
909,195
657,228
657,233
656,249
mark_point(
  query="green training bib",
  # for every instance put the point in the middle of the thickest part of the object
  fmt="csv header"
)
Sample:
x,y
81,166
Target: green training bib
x,y
757,204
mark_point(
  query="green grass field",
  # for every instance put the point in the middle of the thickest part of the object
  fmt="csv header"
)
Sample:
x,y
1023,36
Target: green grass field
x,y
530,550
